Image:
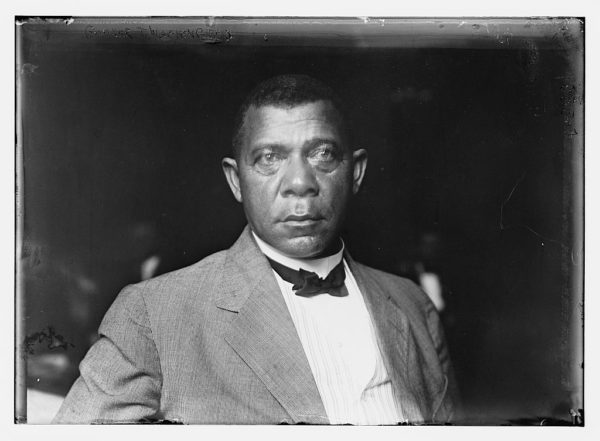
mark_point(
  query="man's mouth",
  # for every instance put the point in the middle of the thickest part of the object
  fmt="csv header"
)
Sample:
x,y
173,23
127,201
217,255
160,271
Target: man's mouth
x,y
302,220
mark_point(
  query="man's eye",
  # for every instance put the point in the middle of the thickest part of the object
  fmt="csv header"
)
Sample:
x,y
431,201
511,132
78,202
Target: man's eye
x,y
323,154
268,158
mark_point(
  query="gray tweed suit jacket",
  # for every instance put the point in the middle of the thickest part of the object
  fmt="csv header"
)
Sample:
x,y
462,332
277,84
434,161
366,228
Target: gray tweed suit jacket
x,y
215,343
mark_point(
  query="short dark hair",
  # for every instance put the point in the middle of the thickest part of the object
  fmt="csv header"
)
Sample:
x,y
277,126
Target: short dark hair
x,y
286,91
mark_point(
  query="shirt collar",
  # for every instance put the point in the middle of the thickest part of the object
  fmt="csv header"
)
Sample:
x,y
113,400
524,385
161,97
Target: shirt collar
x,y
322,266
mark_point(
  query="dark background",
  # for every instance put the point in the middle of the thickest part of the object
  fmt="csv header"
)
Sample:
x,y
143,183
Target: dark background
x,y
473,142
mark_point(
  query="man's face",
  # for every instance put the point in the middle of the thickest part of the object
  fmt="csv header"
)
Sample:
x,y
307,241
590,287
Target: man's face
x,y
295,176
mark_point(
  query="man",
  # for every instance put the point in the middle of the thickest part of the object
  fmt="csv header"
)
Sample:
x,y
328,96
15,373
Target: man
x,y
284,327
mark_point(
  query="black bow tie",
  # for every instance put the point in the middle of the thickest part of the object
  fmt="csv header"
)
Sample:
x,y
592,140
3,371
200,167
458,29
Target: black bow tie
x,y
308,284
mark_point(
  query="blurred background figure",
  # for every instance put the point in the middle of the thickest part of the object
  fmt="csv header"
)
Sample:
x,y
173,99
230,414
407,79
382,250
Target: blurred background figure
x,y
424,267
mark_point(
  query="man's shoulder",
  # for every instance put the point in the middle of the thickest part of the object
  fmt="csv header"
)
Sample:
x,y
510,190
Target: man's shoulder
x,y
406,296
198,271
191,281
195,287
399,288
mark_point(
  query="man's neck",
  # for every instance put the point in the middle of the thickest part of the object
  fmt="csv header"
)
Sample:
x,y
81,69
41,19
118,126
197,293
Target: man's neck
x,y
321,265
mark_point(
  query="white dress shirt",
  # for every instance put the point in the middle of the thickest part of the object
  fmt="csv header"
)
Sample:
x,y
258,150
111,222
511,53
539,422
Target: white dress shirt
x,y
340,343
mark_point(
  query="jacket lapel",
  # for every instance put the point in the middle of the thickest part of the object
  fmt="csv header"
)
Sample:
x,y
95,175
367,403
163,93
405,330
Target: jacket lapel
x,y
419,387
263,333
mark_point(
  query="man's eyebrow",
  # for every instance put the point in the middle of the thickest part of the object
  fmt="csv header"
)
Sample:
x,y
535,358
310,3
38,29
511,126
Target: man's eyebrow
x,y
308,144
314,142
267,145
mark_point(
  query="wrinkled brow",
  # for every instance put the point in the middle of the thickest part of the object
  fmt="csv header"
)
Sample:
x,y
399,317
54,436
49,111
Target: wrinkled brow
x,y
308,144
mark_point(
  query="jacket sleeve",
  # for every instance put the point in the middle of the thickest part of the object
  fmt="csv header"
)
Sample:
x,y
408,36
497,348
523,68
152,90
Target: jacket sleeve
x,y
120,378
449,409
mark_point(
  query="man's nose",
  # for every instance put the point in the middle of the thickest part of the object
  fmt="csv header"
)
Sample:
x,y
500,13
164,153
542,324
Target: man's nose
x,y
299,179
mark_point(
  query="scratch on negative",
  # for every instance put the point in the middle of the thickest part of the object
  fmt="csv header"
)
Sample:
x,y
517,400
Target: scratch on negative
x,y
508,199
528,228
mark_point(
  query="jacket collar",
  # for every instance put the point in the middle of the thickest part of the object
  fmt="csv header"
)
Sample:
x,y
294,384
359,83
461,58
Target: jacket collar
x,y
263,333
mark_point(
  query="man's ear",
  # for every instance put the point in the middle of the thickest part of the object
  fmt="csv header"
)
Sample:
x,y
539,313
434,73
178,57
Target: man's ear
x,y
359,161
230,169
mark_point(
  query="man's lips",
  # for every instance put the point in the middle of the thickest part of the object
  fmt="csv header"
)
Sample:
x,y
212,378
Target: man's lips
x,y
302,218
302,221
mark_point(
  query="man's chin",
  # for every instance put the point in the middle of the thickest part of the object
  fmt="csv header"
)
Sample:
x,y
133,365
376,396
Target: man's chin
x,y
304,247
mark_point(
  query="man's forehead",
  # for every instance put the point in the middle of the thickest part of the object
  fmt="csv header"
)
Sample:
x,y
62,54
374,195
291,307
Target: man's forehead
x,y
321,110
272,117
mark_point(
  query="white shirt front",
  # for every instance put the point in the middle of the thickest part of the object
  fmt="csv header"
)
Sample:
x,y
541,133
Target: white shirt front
x,y
341,346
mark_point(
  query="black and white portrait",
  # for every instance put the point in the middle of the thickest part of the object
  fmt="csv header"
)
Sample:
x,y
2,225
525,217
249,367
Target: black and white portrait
x,y
303,221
